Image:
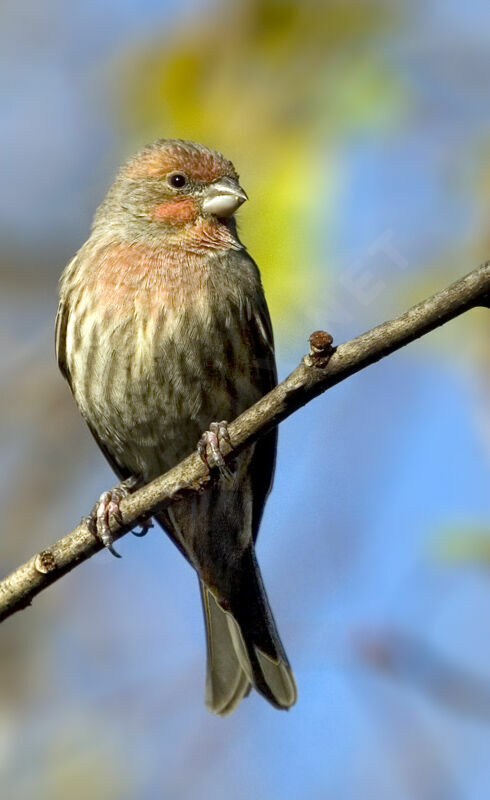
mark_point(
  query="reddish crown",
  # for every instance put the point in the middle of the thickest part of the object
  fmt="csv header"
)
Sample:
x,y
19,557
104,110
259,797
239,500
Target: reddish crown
x,y
169,155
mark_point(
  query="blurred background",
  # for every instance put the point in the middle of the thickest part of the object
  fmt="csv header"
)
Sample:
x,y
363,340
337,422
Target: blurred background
x,y
361,131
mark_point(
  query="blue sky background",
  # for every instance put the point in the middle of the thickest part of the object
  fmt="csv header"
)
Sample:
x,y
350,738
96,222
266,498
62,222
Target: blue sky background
x,y
103,678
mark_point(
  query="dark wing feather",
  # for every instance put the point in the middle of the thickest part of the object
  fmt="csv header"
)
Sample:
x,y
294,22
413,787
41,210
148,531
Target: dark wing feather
x,y
60,340
264,458
62,324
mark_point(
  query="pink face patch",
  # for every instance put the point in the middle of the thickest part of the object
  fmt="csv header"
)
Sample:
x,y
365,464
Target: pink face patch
x,y
179,209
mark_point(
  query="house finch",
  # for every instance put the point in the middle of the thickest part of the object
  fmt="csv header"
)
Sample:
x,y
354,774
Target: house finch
x,y
162,330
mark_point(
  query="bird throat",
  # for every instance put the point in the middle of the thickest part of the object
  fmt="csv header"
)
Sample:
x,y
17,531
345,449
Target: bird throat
x,y
203,235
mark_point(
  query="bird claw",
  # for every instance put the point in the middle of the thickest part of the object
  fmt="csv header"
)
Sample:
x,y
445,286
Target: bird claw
x,y
107,508
144,527
210,444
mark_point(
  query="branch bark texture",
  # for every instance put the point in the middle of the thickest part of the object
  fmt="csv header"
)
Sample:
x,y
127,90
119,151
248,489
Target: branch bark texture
x,y
322,368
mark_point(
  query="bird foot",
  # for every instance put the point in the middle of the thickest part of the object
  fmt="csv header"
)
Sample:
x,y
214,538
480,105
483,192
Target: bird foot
x,y
107,507
210,445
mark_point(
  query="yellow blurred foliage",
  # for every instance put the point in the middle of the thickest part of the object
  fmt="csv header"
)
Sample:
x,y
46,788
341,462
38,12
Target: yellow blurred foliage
x,y
270,84
464,545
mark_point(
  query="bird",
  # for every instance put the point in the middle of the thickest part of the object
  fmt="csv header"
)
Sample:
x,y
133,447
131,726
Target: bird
x,y
163,334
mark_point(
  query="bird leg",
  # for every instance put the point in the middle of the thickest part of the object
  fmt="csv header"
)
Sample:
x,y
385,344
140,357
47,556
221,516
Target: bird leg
x,y
210,444
106,506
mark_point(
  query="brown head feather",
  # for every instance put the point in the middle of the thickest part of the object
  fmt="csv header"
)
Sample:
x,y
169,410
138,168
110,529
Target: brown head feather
x,y
167,155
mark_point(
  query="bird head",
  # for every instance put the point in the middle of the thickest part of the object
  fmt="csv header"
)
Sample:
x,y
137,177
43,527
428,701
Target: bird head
x,y
173,185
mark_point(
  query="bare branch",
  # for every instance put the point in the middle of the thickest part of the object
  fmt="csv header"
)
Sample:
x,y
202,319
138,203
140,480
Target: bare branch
x,y
322,368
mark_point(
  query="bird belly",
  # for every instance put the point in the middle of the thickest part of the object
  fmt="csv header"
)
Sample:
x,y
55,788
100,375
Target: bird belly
x,y
150,388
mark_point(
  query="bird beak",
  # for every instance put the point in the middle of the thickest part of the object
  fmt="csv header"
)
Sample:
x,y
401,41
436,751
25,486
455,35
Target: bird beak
x,y
223,197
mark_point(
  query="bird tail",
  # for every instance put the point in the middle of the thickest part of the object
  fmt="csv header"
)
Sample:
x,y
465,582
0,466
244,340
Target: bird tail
x,y
244,648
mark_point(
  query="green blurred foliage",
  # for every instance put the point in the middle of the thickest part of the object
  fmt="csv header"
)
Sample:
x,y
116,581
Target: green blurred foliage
x,y
271,84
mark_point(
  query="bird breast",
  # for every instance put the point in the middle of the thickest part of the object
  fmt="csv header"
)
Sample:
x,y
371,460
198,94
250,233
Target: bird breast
x,y
160,356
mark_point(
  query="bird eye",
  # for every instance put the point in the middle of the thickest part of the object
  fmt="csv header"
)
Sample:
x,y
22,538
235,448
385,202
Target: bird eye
x,y
177,180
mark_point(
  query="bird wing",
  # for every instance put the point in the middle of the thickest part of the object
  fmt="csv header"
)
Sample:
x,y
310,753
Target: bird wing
x,y
262,464
60,340
264,457
61,324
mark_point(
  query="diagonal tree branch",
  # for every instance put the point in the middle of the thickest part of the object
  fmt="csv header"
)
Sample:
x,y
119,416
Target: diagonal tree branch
x,y
322,368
